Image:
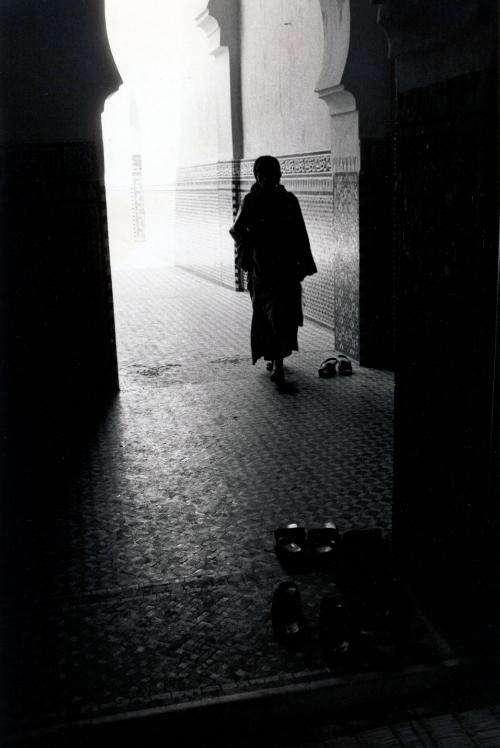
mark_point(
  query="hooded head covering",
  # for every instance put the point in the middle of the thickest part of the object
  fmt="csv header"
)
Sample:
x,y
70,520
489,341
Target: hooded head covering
x,y
267,165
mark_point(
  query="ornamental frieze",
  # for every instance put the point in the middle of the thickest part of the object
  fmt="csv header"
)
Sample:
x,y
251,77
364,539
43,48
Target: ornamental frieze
x,y
304,165
296,166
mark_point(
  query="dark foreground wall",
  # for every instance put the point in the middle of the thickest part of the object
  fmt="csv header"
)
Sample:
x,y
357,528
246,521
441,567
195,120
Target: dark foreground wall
x,y
58,359
57,317
368,75
446,211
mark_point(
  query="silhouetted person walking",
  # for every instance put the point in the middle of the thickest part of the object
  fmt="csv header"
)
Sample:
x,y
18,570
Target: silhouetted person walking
x,y
272,246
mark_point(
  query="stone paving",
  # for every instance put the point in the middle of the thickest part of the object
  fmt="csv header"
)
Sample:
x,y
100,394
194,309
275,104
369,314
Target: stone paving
x,y
150,583
155,587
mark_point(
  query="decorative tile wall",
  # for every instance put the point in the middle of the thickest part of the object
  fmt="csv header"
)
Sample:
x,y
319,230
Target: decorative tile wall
x,y
204,213
309,177
137,200
209,195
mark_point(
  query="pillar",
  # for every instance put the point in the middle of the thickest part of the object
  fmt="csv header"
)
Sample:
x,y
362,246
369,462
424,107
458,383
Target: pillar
x,y
58,365
446,216
345,166
220,20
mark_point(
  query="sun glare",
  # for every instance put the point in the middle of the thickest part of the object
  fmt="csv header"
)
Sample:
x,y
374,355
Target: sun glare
x,y
150,44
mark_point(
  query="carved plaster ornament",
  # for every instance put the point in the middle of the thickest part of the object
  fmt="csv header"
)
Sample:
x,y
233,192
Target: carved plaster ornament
x,y
217,18
336,15
205,21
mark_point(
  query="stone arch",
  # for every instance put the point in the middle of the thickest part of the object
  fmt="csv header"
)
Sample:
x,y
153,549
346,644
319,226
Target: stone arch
x,y
210,25
220,20
355,83
336,15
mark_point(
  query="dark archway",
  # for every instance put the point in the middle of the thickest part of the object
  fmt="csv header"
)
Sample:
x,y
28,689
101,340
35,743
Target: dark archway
x,y
58,364
56,294
446,241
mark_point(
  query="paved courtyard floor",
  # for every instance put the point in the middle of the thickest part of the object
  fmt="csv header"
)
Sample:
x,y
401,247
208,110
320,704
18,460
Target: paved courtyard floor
x,y
156,585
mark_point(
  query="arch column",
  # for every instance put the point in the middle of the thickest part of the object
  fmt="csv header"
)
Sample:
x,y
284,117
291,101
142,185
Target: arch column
x,y
57,72
446,490
220,20
58,366
344,128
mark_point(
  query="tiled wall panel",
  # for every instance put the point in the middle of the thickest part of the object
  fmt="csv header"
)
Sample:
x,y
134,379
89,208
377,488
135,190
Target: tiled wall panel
x,y
204,213
206,202
309,177
345,238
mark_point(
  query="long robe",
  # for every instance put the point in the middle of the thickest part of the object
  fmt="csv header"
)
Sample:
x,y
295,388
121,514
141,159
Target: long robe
x,y
272,246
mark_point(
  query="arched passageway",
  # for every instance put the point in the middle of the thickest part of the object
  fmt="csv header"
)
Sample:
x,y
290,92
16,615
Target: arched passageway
x,y
320,150
165,519
114,601
153,47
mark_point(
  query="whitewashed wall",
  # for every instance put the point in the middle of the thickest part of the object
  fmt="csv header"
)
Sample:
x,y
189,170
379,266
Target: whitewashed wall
x,y
282,52
197,101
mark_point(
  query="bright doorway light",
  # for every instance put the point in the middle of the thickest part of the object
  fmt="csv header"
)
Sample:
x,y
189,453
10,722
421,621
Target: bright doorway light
x,y
141,128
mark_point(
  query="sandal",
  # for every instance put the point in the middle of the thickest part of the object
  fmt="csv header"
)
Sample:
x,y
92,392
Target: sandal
x,y
323,543
291,545
328,368
345,366
288,621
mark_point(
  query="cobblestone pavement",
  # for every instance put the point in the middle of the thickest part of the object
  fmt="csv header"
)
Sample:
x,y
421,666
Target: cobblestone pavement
x,y
152,584
156,584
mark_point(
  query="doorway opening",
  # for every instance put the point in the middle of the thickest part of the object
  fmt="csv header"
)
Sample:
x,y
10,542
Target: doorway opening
x,y
158,49
140,132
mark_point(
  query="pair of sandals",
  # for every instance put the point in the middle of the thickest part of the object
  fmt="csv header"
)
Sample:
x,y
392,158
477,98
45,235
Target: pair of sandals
x,y
330,366
298,549
292,629
361,560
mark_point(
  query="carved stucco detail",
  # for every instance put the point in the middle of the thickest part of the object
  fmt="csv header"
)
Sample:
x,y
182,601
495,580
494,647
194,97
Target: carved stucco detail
x,y
211,27
296,166
336,15
217,19
309,164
